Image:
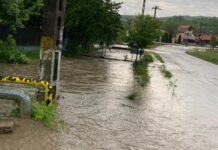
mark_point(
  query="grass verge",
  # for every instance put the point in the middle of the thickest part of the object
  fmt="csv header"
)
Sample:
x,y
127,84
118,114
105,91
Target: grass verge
x,y
167,74
141,69
208,55
159,58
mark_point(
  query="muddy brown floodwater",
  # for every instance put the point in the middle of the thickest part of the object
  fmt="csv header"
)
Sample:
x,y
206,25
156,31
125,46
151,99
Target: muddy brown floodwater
x,y
98,115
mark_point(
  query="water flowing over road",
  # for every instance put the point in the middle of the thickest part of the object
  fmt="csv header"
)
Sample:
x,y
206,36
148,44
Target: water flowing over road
x,y
180,113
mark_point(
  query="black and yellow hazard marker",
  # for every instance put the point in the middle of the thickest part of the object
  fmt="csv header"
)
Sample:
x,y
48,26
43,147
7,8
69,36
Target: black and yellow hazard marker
x,y
38,83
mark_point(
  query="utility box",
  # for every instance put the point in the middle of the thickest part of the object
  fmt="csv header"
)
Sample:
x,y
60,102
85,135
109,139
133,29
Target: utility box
x,y
51,42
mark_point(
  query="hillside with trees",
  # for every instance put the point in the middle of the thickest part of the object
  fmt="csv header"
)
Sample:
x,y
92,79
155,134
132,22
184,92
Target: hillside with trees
x,y
202,25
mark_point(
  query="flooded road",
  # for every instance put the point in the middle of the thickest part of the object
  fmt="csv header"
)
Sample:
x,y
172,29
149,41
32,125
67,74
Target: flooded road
x,y
179,114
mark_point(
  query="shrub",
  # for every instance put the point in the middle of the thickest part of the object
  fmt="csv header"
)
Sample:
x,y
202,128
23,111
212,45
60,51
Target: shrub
x,y
45,113
13,57
132,96
9,54
9,44
213,42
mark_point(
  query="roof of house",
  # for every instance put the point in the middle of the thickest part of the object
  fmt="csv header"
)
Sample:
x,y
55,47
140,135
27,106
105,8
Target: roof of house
x,y
205,37
184,28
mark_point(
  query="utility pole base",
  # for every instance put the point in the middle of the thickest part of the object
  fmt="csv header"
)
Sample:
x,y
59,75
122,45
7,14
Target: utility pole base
x,y
51,42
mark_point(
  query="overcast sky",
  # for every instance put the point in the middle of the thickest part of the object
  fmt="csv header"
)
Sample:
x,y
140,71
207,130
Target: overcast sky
x,y
171,7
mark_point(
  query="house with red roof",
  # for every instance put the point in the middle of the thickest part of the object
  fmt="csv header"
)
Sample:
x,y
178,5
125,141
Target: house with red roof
x,y
204,39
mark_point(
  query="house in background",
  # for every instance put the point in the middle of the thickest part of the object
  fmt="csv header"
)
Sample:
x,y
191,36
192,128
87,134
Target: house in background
x,y
185,34
204,39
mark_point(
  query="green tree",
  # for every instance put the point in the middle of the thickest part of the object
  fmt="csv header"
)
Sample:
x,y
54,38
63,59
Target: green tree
x,y
167,37
36,9
14,13
92,21
170,31
142,32
112,22
122,34
213,42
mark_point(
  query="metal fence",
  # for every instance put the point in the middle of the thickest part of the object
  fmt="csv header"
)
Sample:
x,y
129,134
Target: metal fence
x,y
28,36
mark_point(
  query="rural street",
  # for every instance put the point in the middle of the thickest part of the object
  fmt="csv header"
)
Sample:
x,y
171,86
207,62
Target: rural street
x,y
197,91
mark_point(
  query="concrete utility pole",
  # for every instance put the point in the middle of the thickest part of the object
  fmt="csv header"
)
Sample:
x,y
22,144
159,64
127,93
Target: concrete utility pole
x,y
51,42
143,7
155,10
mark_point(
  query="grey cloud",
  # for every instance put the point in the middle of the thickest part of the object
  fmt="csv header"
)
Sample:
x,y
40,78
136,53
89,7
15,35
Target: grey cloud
x,y
172,7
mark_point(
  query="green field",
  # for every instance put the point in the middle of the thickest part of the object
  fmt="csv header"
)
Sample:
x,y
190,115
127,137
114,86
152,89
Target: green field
x,y
208,55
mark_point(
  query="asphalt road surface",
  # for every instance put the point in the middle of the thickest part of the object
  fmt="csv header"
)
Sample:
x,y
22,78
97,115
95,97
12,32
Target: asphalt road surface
x,y
196,89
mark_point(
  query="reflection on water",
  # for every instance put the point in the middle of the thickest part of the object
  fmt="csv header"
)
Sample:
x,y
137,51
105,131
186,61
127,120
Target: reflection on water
x,y
99,116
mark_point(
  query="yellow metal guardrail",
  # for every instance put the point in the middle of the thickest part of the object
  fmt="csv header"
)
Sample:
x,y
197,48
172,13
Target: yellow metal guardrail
x,y
38,83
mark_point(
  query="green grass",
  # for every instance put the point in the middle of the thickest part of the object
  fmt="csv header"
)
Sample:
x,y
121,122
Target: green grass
x,y
141,73
159,58
45,113
31,54
167,74
208,55
132,96
141,69
148,58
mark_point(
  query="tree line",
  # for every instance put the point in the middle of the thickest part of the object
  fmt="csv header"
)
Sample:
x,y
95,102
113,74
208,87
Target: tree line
x,y
87,22
201,25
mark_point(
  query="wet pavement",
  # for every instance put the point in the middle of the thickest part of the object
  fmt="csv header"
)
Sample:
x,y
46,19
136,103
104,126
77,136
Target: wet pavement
x,y
169,114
